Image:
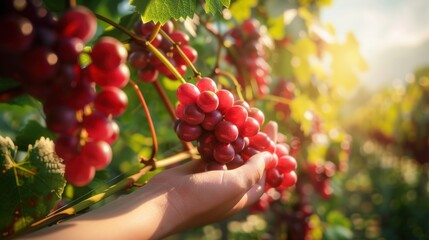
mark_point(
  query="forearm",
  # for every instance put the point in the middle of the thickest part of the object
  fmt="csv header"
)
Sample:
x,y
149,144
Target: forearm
x,y
139,215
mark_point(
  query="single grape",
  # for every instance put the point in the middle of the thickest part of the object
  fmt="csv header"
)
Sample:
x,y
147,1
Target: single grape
x,y
97,126
78,22
240,143
69,49
138,59
97,154
111,100
250,127
187,93
289,179
108,53
223,153
243,104
248,152
148,75
179,110
116,77
115,132
261,141
211,119
226,99
281,150
207,101
66,146
180,38
206,84
78,173
236,162
257,114
287,164
274,177
236,115
187,132
193,115
205,146
226,132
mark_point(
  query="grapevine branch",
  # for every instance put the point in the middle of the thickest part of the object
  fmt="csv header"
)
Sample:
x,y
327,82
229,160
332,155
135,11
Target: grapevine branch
x,y
182,54
146,43
149,121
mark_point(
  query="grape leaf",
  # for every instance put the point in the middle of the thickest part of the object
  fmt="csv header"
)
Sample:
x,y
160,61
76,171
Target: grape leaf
x,y
216,6
163,10
30,133
127,22
30,187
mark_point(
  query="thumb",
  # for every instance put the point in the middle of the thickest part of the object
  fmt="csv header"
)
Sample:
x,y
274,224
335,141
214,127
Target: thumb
x,y
253,170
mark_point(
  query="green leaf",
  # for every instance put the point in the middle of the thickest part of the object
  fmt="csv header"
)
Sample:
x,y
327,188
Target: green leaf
x,y
216,6
30,133
127,22
163,10
30,187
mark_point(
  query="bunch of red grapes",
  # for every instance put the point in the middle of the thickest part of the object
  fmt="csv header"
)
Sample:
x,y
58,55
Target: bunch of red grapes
x,y
42,54
320,175
248,54
149,66
228,133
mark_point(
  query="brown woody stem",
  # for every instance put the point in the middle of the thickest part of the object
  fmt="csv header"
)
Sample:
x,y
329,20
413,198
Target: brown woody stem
x,y
149,119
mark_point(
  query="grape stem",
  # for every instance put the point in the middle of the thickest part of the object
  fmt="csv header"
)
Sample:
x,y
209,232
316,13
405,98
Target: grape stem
x,y
233,79
11,93
146,43
182,54
154,32
149,119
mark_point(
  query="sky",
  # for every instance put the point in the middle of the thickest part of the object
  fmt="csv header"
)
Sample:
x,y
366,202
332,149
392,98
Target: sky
x,y
380,26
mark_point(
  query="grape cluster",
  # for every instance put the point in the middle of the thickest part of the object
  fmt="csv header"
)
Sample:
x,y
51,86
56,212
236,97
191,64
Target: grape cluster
x,y
42,54
147,64
248,54
227,131
320,175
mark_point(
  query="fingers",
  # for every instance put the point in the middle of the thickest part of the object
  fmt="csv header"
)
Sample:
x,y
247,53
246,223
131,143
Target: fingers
x,y
271,129
252,171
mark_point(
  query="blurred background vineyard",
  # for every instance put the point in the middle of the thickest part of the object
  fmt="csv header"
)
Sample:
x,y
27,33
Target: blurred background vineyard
x,y
353,78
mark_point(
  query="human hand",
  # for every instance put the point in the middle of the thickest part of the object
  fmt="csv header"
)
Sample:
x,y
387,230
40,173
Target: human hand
x,y
200,198
173,200
195,199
